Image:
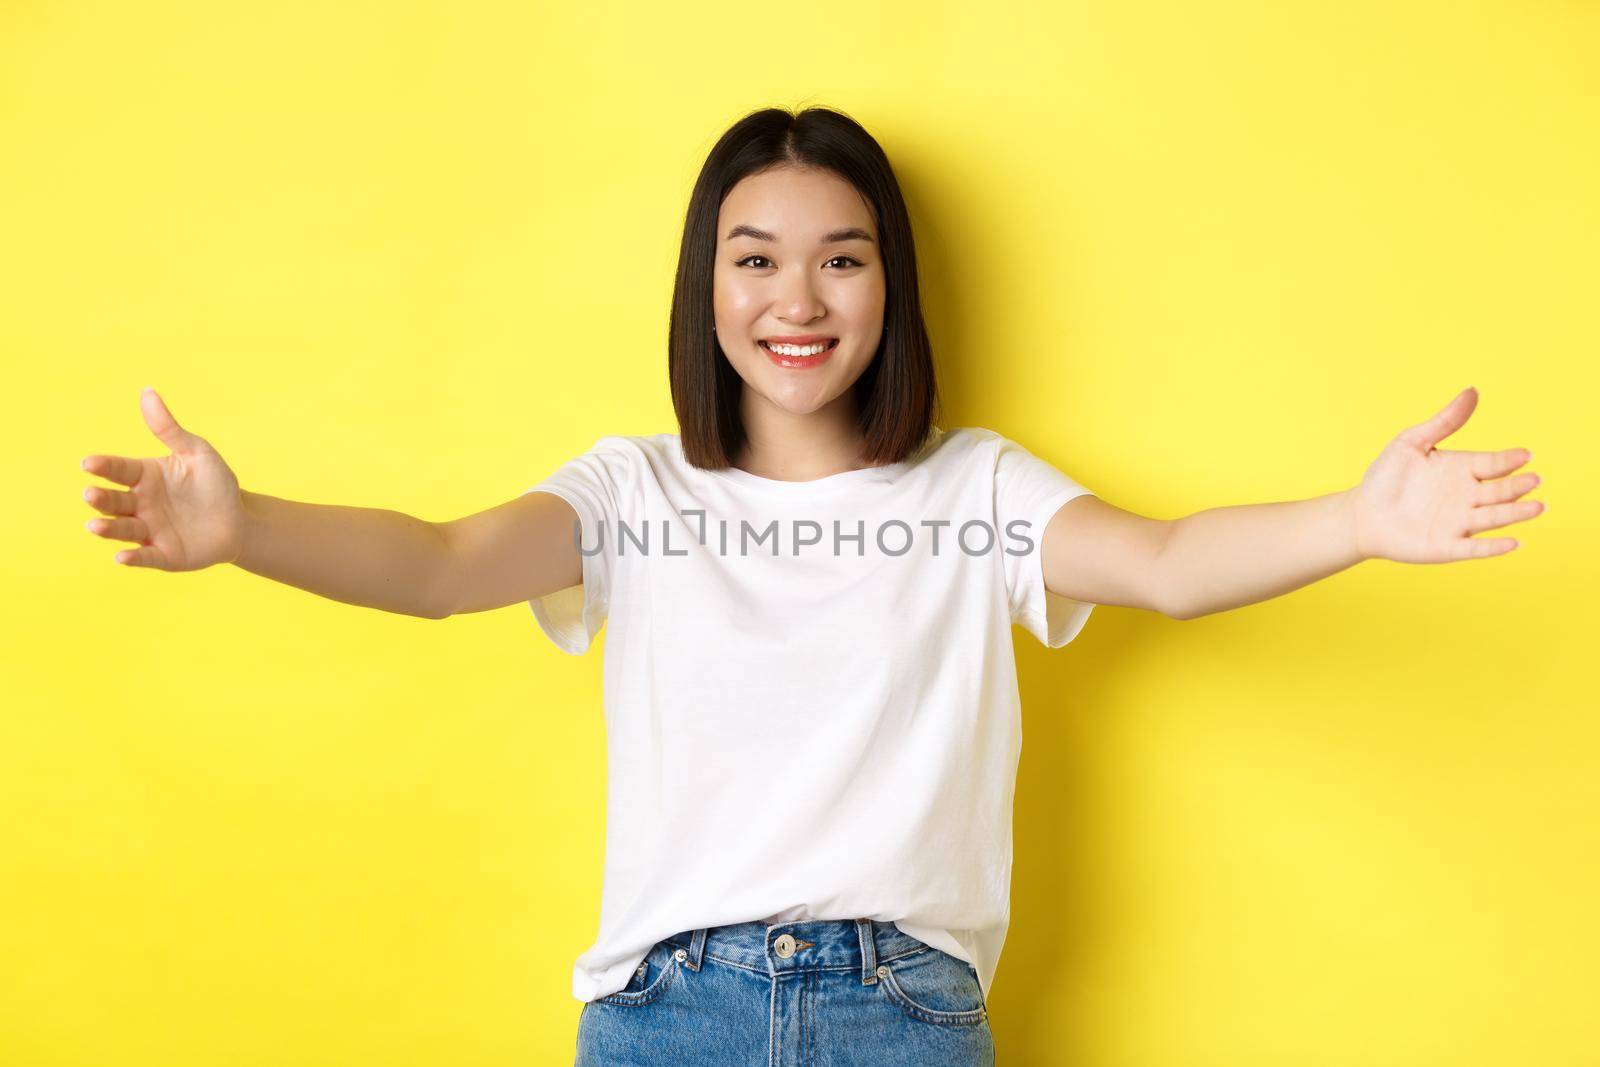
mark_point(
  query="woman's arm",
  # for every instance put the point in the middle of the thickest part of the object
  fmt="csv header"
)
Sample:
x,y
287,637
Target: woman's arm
x,y
370,557
1416,504
520,550
186,511
516,551
1227,557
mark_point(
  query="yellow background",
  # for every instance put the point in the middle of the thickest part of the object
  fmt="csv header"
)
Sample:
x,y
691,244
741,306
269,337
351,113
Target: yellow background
x,y
413,256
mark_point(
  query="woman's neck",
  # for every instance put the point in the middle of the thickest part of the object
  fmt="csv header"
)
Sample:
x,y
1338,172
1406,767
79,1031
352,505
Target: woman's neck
x,y
798,448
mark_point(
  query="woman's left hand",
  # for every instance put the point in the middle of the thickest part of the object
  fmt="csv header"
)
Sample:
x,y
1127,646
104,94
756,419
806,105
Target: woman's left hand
x,y
1420,504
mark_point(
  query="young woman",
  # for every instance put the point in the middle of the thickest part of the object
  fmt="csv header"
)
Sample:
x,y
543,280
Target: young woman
x,y
810,694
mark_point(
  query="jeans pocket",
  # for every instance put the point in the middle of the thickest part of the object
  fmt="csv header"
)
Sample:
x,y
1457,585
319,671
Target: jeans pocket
x,y
652,978
935,987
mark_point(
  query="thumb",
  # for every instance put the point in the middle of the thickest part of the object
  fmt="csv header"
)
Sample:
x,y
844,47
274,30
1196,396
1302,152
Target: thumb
x,y
162,424
1425,435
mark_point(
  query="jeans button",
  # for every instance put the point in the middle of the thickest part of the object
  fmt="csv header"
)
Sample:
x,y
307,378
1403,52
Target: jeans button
x,y
784,946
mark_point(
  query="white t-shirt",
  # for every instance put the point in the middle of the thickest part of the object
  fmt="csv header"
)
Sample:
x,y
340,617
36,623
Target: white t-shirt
x,y
810,689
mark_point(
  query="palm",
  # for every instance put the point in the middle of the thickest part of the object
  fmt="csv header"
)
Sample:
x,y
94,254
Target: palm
x,y
1419,504
185,507
183,510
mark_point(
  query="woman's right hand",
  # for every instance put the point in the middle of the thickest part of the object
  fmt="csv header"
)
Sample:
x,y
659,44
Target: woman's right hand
x,y
184,511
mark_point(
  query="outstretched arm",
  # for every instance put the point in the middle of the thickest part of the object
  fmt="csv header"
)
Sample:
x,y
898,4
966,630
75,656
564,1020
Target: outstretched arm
x,y
1227,557
1416,504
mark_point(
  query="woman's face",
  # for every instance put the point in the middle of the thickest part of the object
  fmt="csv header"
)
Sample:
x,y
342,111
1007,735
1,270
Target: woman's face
x,y
797,257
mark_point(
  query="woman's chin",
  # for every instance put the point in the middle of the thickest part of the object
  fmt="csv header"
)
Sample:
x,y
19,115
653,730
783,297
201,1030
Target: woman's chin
x,y
799,401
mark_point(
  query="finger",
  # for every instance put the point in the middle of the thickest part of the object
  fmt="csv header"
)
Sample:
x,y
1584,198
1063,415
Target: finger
x,y
133,530
1494,516
1483,547
1496,464
114,468
161,422
110,501
1503,489
143,556
1454,415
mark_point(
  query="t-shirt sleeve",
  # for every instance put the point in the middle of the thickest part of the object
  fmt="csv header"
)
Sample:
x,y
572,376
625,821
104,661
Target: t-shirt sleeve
x,y
593,484
1027,488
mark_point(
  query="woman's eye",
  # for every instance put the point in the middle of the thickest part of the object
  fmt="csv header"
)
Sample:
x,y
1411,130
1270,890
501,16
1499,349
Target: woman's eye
x,y
850,260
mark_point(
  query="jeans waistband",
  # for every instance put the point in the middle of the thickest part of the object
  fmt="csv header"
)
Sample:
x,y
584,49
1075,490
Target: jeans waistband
x,y
804,945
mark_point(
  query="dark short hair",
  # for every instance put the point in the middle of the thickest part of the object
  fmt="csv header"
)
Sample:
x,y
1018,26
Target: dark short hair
x,y
896,395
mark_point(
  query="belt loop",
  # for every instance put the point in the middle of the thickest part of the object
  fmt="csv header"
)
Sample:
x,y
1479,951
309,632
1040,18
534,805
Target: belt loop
x,y
697,945
869,952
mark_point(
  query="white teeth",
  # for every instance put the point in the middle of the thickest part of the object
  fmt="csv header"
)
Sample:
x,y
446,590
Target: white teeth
x,y
796,350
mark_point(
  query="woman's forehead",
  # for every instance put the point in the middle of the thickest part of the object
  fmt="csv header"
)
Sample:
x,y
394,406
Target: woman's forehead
x,y
794,204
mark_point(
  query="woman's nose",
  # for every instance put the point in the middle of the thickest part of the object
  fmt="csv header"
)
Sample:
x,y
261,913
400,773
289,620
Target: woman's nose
x,y
798,301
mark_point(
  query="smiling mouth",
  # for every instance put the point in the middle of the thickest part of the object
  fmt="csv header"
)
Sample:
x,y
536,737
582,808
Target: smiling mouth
x,y
828,346
798,362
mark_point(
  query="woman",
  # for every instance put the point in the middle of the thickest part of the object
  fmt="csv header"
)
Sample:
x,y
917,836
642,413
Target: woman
x,y
810,693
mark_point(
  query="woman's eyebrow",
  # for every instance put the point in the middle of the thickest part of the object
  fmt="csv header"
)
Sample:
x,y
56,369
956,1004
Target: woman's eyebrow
x,y
849,233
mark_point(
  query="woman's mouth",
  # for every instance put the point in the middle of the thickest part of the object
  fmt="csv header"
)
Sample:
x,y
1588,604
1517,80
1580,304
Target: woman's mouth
x,y
800,356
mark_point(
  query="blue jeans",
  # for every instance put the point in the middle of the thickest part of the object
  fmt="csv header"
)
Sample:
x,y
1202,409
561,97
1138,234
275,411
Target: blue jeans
x,y
828,993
